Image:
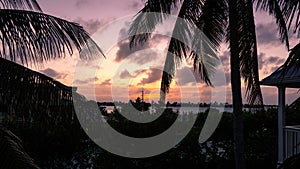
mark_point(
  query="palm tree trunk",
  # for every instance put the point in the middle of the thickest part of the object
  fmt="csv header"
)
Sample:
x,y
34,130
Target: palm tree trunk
x,y
238,126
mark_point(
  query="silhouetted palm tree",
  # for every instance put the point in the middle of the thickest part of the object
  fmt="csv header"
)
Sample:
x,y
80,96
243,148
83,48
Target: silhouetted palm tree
x,y
232,20
31,37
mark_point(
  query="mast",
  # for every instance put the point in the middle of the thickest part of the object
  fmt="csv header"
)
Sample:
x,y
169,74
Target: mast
x,y
142,94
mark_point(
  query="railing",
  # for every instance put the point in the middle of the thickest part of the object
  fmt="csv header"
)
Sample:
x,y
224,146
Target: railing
x,y
292,141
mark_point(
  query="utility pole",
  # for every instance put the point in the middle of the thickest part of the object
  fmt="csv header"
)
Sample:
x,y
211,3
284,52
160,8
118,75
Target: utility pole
x,y
142,99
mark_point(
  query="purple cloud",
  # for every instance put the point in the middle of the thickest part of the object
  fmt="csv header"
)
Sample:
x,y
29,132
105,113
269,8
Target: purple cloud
x,y
145,54
54,74
91,25
124,50
86,81
265,61
267,34
184,77
153,76
106,83
125,75
80,3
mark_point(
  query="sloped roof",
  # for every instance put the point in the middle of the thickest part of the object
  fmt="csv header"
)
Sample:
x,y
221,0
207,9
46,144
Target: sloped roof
x,y
287,75
284,77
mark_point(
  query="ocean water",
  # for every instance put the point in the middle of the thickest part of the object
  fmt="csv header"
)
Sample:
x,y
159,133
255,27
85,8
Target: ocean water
x,y
180,109
194,109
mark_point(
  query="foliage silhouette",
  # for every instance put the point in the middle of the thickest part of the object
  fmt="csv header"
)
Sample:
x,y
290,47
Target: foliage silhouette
x,y
32,37
232,20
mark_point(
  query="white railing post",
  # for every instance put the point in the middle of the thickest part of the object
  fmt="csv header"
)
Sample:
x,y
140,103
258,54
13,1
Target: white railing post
x,y
281,124
292,141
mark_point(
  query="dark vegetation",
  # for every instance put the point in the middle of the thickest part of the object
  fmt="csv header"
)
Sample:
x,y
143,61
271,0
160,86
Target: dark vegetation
x,y
63,144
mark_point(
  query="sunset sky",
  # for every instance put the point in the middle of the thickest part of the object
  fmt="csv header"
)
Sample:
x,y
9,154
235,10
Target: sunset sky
x,y
127,72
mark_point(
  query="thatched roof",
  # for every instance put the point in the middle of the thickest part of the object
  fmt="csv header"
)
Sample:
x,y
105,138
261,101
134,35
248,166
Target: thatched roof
x,y
23,90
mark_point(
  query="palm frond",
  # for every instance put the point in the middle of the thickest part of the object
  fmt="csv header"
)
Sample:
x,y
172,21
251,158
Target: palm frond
x,y
181,42
212,23
248,53
37,37
12,154
274,8
291,10
214,20
20,4
167,76
204,57
153,13
188,39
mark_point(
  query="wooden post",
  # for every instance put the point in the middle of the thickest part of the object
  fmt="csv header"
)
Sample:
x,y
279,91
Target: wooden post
x,y
281,124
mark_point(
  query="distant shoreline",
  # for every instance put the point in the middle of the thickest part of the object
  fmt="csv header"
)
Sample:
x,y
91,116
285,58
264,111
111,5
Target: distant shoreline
x,y
195,109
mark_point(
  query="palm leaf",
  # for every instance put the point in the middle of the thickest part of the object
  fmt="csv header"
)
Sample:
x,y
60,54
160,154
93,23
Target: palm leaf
x,y
181,42
248,53
185,33
178,47
20,4
204,57
213,20
144,23
274,9
291,11
12,154
36,37
201,51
